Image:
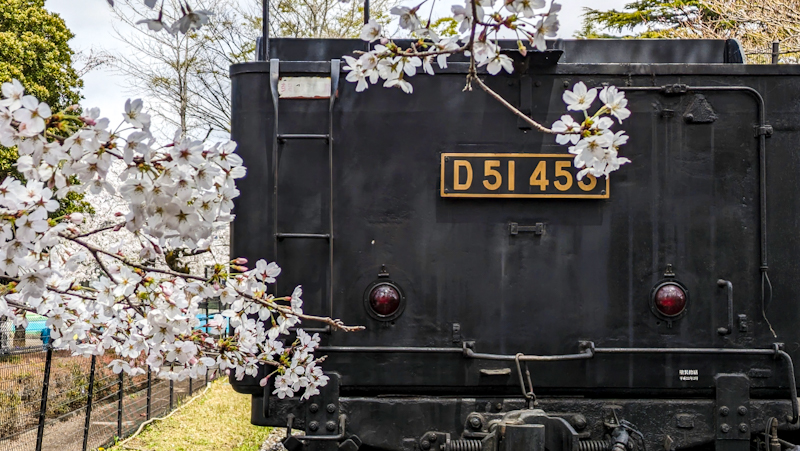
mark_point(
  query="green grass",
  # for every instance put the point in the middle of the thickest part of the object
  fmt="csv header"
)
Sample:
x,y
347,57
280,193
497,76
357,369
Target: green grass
x,y
219,420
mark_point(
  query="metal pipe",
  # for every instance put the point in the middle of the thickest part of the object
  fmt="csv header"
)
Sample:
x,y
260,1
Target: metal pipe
x,y
404,349
89,397
587,353
335,72
264,31
274,75
787,359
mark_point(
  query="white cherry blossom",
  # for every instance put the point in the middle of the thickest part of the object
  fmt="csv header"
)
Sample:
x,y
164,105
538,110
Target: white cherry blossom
x,y
615,102
173,199
371,31
580,98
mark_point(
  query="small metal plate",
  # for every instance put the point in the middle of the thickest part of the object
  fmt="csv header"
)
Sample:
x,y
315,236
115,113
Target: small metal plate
x,y
517,175
304,87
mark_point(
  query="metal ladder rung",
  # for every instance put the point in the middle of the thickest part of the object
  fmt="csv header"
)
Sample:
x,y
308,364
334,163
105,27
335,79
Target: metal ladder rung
x,y
324,236
286,136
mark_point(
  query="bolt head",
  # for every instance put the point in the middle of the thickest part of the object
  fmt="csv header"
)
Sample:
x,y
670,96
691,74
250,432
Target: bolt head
x,y
433,437
579,422
475,423
724,411
313,408
313,426
499,406
330,425
725,428
743,427
330,408
426,445
742,410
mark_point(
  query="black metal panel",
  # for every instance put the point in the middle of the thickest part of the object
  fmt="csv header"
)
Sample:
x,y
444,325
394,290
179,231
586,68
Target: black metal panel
x,y
583,51
690,199
605,51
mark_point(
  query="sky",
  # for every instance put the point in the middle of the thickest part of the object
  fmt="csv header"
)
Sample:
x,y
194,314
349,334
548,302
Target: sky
x,y
92,23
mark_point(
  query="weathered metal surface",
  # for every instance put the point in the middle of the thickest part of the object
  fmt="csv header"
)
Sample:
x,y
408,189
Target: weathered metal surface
x,y
703,193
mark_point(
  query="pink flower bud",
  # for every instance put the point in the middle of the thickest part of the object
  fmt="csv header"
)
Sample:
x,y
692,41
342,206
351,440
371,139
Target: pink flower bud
x,y
240,261
384,41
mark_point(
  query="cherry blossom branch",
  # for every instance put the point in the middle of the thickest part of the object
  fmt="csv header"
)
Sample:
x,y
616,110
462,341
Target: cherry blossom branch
x,y
102,229
514,109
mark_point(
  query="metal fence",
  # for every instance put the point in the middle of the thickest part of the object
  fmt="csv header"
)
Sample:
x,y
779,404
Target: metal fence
x,y
51,400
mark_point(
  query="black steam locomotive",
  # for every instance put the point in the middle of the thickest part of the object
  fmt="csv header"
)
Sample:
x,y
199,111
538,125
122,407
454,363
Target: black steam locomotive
x,y
506,310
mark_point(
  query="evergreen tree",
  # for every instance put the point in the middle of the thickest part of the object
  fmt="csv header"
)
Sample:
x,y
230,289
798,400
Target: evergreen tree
x,y
647,19
34,49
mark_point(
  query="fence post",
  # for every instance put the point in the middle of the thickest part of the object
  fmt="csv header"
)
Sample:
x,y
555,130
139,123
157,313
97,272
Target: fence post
x,y
190,386
171,394
89,397
206,384
43,407
119,404
149,392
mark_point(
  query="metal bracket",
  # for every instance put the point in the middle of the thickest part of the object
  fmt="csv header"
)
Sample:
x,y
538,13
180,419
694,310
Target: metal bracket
x,y
675,89
699,111
456,333
765,130
537,229
733,412
323,417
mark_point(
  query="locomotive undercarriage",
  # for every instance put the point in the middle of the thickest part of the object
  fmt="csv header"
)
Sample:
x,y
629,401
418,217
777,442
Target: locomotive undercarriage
x,y
730,422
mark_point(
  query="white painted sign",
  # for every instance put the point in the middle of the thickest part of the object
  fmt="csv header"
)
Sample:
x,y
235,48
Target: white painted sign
x,y
304,87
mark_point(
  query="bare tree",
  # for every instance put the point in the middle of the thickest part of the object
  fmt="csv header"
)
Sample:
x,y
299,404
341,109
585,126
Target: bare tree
x,y
756,25
186,75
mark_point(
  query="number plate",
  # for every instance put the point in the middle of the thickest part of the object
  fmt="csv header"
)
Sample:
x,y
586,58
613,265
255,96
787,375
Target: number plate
x,y
517,175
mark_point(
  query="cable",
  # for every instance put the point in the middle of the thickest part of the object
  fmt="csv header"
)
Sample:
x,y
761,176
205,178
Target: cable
x,y
764,303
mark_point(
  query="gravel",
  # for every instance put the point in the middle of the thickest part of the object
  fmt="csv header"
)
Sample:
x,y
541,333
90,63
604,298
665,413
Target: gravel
x,y
273,442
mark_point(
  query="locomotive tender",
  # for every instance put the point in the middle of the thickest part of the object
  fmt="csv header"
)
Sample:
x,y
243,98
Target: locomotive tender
x,y
507,305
